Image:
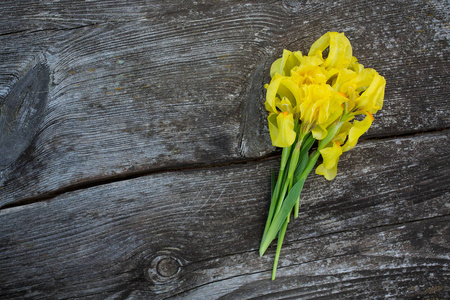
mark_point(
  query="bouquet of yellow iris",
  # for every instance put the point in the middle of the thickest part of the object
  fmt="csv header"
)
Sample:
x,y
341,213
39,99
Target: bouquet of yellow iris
x,y
311,98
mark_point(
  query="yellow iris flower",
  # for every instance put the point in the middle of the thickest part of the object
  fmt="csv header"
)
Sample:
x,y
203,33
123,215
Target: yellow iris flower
x,y
318,103
320,92
318,99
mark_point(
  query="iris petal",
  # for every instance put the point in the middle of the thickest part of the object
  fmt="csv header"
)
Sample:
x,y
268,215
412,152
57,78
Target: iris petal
x,y
331,155
372,98
286,134
329,174
272,94
319,132
284,88
340,52
276,67
358,129
273,126
281,127
286,63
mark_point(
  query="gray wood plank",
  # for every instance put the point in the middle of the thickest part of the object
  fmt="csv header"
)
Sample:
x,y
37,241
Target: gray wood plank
x,y
388,262
379,230
165,86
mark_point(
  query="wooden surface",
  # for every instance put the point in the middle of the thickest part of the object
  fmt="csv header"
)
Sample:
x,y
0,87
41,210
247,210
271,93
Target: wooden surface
x,y
135,157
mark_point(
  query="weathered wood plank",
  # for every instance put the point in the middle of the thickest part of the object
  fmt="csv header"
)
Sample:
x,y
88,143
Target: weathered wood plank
x,y
388,262
34,16
379,230
162,86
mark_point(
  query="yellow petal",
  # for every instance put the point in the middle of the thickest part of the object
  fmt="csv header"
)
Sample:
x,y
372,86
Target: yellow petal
x,y
320,105
272,94
329,174
336,109
276,68
371,100
320,45
340,52
281,127
355,66
307,74
284,65
290,90
331,155
343,133
289,61
364,79
285,105
283,87
357,129
273,126
298,55
311,61
319,132
344,78
352,95
287,134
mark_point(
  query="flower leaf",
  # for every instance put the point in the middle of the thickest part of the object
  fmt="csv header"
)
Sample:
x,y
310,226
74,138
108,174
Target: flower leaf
x,y
281,216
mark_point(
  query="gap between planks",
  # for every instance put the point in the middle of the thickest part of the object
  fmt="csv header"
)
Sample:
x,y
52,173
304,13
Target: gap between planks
x,y
89,183
136,174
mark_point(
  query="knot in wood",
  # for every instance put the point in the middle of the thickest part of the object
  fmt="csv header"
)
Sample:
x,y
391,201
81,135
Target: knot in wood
x,y
21,113
164,268
167,267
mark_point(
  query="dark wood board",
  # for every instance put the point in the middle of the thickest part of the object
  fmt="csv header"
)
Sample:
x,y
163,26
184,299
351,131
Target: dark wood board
x,y
169,86
135,157
381,229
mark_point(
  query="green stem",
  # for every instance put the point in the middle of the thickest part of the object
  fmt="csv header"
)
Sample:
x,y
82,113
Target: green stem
x,y
272,183
277,198
273,202
279,244
287,205
311,163
303,160
297,208
293,162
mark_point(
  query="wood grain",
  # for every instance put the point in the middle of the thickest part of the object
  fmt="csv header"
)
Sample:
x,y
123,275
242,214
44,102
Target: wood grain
x,y
135,158
22,112
163,86
379,230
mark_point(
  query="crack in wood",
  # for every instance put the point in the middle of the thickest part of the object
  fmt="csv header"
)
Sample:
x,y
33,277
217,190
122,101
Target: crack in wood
x,y
379,137
32,31
127,176
136,174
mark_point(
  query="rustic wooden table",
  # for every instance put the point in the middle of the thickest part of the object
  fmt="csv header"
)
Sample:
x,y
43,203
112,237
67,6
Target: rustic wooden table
x,y
135,157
